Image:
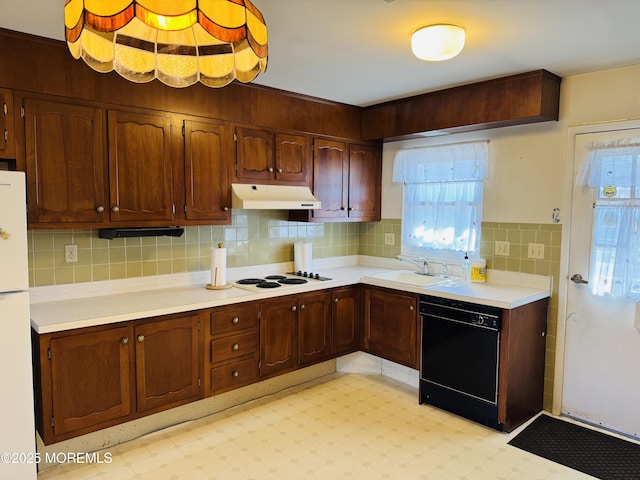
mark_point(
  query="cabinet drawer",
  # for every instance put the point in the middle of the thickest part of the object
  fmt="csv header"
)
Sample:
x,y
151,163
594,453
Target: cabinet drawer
x,y
233,375
234,319
234,346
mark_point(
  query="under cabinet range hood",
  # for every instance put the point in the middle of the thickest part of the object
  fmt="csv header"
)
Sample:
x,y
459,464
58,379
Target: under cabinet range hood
x,y
272,197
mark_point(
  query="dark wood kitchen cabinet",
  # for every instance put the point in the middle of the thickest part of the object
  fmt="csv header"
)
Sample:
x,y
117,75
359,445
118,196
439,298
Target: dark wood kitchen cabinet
x,y
65,161
278,335
315,329
391,325
347,179
84,380
7,124
233,343
208,147
264,156
140,166
167,353
92,378
345,317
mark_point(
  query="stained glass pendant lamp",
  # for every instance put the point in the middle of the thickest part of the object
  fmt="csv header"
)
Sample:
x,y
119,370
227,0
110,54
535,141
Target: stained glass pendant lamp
x,y
179,42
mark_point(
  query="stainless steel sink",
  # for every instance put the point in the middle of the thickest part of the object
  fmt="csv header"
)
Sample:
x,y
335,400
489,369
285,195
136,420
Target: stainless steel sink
x,y
410,277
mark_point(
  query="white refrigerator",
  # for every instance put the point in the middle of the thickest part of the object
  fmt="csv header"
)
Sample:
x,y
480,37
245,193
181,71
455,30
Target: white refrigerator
x,y
17,426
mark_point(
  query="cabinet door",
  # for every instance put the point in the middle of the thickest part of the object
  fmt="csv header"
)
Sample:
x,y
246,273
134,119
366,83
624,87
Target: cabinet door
x,y
91,381
293,159
167,361
254,154
65,161
365,180
207,154
7,130
314,327
390,326
140,167
346,320
278,339
330,175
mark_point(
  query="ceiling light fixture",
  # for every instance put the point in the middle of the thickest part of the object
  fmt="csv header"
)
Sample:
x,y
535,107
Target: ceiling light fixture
x,y
437,42
179,42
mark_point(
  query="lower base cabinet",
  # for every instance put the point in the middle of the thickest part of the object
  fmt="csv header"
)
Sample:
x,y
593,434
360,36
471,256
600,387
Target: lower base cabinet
x,y
232,335
391,325
93,378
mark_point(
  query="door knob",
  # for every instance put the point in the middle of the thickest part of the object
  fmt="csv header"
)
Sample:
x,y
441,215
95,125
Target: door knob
x,y
577,278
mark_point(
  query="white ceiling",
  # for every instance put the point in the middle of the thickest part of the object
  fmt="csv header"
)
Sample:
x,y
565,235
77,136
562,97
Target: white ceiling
x,y
357,51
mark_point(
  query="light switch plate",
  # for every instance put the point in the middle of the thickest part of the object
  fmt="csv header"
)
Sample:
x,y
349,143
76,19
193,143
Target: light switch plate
x,y
502,248
535,251
389,239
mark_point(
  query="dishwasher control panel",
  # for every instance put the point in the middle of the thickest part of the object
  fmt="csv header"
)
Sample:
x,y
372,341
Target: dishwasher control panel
x,y
463,312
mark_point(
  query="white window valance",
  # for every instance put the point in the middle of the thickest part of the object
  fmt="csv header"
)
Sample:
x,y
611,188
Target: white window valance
x,y
609,164
457,162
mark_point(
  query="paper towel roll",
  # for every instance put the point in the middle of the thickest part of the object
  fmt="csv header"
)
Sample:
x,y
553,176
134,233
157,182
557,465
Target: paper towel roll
x,y
302,255
218,267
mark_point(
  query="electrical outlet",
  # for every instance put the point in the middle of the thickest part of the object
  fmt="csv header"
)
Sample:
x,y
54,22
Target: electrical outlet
x,y
70,253
536,250
502,248
389,239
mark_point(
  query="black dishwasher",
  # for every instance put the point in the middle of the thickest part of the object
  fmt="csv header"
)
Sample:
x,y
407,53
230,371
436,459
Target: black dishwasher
x,y
460,358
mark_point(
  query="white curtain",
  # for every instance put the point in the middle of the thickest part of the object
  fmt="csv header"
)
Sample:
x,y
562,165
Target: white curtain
x,y
613,170
442,196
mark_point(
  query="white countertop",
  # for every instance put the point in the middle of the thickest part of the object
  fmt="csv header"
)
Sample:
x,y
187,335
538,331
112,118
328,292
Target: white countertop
x,y
67,307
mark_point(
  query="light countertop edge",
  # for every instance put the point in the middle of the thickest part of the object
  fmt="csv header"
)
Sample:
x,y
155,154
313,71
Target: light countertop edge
x,y
55,309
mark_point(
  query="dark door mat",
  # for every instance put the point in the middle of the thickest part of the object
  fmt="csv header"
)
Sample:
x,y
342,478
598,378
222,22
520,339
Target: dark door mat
x,y
588,451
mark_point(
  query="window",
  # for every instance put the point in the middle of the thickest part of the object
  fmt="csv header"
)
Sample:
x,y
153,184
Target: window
x,y
442,198
613,171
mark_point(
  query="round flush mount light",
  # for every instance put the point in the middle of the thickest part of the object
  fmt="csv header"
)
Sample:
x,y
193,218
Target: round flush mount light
x,y
437,42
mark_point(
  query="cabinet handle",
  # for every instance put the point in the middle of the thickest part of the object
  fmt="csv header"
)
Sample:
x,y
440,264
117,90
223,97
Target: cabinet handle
x,y
294,308
235,320
270,169
4,109
279,170
235,347
115,209
349,209
226,209
341,208
302,307
411,307
124,340
336,300
100,209
235,374
140,338
6,135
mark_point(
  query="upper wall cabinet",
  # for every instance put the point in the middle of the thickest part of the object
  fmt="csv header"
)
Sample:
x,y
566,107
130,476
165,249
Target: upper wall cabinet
x,y
207,147
65,162
264,156
140,167
347,180
88,167
7,138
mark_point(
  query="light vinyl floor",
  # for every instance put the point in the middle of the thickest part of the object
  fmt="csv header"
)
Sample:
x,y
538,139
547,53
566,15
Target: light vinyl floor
x,y
341,426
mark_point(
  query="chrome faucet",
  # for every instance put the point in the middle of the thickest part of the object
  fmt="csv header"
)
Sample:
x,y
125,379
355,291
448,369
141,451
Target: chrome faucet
x,y
424,266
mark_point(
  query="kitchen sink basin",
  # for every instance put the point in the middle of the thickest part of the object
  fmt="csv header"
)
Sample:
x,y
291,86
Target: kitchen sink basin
x,y
410,277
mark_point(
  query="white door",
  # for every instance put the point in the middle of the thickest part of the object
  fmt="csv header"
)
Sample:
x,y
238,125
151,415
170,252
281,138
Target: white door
x,y
601,383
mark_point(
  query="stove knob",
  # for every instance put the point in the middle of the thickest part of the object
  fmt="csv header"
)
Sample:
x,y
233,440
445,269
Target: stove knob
x,y
317,276
299,273
304,274
310,275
